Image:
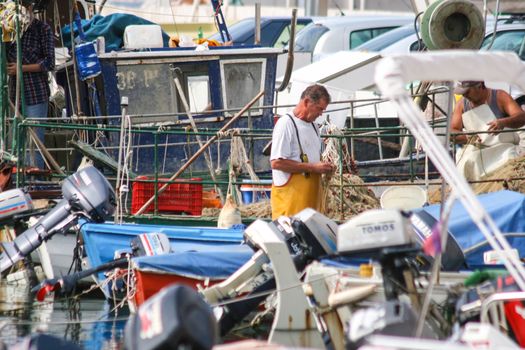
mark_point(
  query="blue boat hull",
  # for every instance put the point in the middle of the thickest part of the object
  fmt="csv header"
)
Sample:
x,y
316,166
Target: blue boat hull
x,y
102,240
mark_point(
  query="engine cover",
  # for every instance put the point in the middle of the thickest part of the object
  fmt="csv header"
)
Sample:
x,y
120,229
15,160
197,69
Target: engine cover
x,y
374,229
14,202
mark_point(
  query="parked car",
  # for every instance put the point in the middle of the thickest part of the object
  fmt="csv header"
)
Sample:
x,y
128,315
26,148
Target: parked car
x,y
510,37
275,31
328,35
389,38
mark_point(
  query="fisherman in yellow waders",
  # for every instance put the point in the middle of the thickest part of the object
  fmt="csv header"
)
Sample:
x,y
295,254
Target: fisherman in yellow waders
x,y
296,153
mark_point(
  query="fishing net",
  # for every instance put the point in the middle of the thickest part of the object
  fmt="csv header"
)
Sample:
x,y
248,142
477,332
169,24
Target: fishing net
x,y
260,210
346,196
343,195
239,163
510,176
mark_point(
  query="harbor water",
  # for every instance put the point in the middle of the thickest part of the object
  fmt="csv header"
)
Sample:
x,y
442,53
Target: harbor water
x,y
89,321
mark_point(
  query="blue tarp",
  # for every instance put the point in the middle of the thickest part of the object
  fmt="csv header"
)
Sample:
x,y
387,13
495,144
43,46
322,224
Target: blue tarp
x,y
217,263
506,208
111,27
102,240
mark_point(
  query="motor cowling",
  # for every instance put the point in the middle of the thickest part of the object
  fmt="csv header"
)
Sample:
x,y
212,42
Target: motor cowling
x,y
175,318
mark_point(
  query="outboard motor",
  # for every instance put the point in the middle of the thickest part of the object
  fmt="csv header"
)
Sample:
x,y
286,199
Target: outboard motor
x,y
385,235
86,193
393,317
452,257
308,236
175,318
43,342
145,244
14,202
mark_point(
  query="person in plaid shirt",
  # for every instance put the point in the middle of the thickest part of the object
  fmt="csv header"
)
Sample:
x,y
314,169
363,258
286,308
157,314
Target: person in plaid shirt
x,y
38,58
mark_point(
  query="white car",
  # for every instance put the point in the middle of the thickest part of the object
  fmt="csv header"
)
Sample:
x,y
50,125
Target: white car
x,y
328,35
510,37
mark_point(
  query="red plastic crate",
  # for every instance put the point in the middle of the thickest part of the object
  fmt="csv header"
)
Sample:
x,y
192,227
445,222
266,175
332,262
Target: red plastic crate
x,y
177,198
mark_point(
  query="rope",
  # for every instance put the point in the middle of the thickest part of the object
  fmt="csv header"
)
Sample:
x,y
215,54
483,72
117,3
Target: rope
x,y
338,199
239,162
173,19
122,181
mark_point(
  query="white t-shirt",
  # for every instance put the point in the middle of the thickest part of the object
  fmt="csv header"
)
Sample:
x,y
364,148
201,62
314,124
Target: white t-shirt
x,y
285,145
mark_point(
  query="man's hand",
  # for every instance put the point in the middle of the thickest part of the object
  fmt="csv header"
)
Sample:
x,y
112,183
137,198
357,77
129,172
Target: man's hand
x,y
494,126
11,68
322,168
474,139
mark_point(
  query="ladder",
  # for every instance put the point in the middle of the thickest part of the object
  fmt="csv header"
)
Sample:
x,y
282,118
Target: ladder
x,y
219,19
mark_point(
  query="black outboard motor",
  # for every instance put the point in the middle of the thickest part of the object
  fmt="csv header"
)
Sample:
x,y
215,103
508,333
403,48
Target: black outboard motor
x,y
175,318
86,193
44,342
452,257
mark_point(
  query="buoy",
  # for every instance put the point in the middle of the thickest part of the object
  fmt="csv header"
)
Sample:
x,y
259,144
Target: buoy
x,y
229,215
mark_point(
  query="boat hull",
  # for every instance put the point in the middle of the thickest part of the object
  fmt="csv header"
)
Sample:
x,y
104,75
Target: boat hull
x,y
191,268
101,241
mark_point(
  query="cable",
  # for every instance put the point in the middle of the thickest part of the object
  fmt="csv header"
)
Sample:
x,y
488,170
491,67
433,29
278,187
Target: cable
x,y
420,42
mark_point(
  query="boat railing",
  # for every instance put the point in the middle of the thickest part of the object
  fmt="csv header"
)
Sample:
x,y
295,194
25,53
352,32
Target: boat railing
x,y
97,129
493,310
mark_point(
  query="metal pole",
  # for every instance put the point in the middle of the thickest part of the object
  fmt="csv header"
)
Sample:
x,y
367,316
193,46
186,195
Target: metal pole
x,y
257,36
447,136
352,148
379,144
202,149
73,10
20,99
4,104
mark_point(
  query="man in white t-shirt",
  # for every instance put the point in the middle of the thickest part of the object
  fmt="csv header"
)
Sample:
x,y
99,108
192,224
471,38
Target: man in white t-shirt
x,y
296,153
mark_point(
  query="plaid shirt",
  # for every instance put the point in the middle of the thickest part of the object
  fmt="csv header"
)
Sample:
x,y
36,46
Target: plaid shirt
x,y
38,46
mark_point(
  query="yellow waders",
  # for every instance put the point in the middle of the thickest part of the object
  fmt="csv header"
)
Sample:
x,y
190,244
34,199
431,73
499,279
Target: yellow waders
x,y
298,193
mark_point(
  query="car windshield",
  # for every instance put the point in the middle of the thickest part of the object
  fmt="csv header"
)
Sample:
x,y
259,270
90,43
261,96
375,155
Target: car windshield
x,y
386,39
510,40
308,37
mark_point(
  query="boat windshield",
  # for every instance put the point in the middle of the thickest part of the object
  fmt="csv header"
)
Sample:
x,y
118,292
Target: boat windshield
x,y
308,37
384,40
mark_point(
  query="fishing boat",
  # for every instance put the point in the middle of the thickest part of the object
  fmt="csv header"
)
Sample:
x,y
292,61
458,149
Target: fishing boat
x,y
196,254
193,268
